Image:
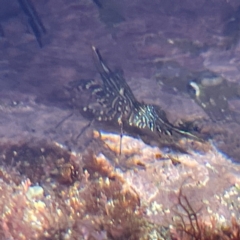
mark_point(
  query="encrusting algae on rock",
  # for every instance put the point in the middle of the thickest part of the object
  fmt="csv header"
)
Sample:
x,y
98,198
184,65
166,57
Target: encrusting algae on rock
x,y
87,196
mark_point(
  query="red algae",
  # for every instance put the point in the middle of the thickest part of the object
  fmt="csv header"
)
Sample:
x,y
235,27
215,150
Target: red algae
x,y
86,195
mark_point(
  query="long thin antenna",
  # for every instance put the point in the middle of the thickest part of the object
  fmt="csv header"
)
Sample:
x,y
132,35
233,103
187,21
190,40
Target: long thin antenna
x,y
33,20
84,129
63,120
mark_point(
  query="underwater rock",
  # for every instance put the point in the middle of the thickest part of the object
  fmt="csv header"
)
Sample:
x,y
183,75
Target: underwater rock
x,y
140,194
